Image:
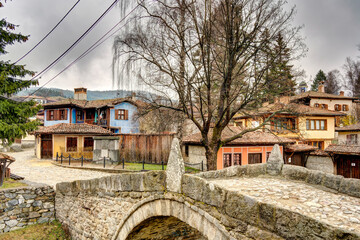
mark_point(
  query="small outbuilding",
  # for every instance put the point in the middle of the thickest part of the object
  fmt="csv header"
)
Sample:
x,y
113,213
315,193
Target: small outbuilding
x,y
252,147
67,139
346,159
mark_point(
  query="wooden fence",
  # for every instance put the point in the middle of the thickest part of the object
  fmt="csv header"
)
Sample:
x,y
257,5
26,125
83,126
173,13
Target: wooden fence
x,y
151,148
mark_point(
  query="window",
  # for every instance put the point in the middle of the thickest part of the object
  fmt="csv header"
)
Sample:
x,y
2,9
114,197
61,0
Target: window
x,y
324,106
51,115
337,107
79,115
267,155
317,144
237,159
71,144
88,144
316,124
345,107
121,114
63,114
227,160
186,150
351,139
58,114
254,158
280,124
317,105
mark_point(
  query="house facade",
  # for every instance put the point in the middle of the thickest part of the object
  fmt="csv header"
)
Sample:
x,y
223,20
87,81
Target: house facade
x,y
253,147
322,100
116,115
346,159
67,139
304,124
349,135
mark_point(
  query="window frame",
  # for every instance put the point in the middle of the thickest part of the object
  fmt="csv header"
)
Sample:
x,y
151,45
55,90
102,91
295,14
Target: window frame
x,y
313,122
85,147
67,147
121,114
225,159
51,115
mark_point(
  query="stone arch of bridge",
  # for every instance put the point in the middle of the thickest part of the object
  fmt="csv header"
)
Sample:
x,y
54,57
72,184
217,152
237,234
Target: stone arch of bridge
x,y
195,217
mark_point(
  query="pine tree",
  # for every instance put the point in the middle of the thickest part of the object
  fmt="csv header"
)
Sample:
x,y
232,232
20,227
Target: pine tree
x,y
281,79
320,77
14,116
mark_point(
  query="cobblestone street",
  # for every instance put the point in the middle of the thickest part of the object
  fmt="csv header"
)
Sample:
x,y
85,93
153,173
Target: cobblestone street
x,y
330,207
42,171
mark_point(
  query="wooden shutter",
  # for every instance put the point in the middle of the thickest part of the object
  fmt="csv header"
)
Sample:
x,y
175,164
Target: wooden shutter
x,y
347,107
116,114
126,115
66,114
47,115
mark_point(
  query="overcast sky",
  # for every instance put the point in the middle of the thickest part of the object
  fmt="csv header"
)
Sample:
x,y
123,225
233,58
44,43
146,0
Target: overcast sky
x,y
331,29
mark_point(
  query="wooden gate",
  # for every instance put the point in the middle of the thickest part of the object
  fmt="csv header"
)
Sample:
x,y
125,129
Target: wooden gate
x,y
349,166
254,158
46,146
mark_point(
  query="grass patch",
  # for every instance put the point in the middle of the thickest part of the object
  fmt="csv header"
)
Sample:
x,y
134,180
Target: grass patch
x,y
10,183
45,231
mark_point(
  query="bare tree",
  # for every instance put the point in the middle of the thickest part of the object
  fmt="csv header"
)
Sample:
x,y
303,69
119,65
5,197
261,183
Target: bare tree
x,y
352,75
210,57
333,82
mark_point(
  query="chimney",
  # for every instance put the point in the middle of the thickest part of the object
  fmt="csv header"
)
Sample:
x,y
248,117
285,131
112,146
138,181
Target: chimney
x,y
341,93
321,87
133,96
80,93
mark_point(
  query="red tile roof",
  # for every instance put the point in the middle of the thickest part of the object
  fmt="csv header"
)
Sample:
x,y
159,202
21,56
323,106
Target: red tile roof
x,y
343,149
69,128
350,128
250,138
300,148
93,103
313,94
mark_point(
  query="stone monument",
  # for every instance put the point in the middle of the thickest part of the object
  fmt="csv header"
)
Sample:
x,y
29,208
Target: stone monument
x,y
275,161
175,168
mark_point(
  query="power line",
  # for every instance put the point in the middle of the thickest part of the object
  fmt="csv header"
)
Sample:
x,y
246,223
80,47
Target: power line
x,y
75,43
47,33
91,48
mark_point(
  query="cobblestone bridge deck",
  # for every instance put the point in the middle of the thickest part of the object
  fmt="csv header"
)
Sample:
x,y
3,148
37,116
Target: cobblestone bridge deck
x,y
314,201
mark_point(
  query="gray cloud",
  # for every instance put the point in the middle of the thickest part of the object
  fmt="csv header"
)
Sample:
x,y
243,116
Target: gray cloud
x,y
331,31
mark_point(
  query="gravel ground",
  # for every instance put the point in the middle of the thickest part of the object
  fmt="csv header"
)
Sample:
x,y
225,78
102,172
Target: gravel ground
x,y
43,172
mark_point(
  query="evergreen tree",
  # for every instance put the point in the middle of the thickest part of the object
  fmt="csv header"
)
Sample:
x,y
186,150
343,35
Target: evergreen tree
x,y
14,116
282,81
320,77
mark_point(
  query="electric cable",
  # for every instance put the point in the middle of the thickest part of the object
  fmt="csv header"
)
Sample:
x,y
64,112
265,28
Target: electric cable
x,y
75,43
47,33
91,48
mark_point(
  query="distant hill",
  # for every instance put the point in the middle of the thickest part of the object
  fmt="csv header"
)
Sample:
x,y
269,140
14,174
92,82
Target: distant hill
x,y
91,95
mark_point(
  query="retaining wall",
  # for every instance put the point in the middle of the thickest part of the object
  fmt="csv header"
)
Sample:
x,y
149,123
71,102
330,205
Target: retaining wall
x,y
25,206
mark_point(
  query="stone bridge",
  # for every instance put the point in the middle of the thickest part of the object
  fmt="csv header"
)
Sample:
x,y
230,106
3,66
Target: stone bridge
x,y
260,201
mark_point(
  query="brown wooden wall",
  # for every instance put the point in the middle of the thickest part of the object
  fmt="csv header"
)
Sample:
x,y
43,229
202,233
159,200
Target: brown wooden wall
x,y
153,148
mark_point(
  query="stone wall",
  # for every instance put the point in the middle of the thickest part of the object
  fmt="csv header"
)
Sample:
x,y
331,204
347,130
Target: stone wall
x,y
111,207
92,209
196,154
25,206
320,163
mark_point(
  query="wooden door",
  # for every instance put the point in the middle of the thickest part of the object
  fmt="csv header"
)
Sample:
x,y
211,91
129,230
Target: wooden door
x,y
348,166
46,146
254,158
295,159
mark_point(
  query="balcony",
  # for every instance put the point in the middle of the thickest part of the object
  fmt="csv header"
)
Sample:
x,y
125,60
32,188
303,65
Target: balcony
x,y
90,121
102,122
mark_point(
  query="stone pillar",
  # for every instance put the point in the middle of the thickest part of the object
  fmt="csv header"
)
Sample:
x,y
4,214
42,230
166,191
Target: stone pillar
x,y
175,168
107,147
275,161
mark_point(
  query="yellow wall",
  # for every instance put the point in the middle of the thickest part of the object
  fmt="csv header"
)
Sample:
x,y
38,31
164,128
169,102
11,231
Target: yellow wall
x,y
59,146
342,136
311,135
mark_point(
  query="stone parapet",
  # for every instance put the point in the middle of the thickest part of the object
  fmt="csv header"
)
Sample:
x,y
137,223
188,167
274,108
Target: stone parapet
x,y
24,206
